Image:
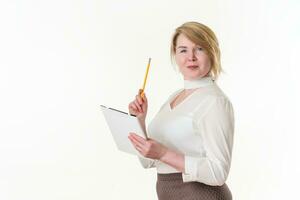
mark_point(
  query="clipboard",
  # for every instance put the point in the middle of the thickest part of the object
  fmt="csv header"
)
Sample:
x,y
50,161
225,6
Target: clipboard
x,y
121,124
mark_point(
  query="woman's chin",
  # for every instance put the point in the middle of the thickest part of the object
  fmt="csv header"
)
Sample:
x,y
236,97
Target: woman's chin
x,y
191,76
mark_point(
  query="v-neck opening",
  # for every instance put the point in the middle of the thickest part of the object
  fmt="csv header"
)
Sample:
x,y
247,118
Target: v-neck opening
x,y
183,101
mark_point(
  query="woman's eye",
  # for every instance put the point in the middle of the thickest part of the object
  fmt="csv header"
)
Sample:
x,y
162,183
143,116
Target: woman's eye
x,y
182,51
199,49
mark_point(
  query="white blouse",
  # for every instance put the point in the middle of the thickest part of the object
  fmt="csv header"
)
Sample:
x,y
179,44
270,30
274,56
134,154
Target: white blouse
x,y
201,127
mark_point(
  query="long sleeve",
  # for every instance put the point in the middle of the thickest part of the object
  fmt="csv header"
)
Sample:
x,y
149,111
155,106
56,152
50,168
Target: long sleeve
x,y
216,127
147,162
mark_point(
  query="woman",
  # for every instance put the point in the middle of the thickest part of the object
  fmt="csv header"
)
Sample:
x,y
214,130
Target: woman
x,y
192,134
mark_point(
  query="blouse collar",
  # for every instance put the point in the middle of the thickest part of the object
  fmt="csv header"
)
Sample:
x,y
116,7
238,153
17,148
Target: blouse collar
x,y
196,83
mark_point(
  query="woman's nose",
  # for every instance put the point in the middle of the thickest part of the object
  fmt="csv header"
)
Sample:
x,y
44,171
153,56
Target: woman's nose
x,y
192,56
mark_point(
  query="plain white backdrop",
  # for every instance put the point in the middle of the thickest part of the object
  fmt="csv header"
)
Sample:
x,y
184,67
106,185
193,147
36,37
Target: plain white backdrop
x,y
59,60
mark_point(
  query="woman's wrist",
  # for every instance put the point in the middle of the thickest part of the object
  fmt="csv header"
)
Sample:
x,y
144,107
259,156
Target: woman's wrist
x,y
173,159
165,155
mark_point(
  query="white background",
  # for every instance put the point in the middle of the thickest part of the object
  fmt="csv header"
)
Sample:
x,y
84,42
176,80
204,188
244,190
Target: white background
x,y
61,59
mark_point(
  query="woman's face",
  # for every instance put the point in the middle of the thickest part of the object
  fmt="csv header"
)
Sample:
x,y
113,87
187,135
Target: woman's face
x,y
192,60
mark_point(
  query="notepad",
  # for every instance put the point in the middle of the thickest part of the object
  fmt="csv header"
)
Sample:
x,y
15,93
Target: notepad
x,y
121,124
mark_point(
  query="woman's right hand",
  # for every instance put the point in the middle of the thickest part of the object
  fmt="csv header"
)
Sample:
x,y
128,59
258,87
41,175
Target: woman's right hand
x,y
139,106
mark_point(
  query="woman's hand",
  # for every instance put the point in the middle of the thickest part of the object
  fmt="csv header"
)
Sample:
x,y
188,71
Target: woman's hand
x,y
148,148
139,106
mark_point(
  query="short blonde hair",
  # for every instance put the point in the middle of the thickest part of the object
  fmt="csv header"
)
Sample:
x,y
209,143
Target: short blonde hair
x,y
203,36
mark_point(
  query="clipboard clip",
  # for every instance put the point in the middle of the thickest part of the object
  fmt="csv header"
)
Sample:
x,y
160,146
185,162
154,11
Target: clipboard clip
x,y
119,111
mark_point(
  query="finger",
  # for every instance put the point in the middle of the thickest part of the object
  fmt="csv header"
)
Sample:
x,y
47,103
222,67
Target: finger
x,y
135,136
133,141
135,144
139,99
140,91
133,106
138,106
138,138
138,143
145,98
139,150
142,94
133,110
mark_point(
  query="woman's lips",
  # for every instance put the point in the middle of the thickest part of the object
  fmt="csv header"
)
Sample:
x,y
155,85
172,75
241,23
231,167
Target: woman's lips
x,y
192,66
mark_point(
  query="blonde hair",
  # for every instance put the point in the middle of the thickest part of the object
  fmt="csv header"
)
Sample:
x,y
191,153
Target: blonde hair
x,y
203,36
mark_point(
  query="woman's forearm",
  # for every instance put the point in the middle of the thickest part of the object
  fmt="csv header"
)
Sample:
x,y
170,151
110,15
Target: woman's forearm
x,y
174,159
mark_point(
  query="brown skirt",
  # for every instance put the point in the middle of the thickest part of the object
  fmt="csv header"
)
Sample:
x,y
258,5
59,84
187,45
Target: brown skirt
x,y
171,187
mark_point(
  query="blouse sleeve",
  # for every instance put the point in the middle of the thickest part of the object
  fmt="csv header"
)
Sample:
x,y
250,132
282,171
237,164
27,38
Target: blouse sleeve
x,y
147,162
216,127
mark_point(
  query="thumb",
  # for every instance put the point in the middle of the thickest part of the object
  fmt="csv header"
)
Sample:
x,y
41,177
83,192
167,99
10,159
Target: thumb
x,y
144,97
140,91
142,94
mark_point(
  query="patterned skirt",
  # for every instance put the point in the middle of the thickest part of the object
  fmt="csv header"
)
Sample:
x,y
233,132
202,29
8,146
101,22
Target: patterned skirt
x,y
171,187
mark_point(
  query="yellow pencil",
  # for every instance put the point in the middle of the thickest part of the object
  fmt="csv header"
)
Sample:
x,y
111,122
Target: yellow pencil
x,y
145,79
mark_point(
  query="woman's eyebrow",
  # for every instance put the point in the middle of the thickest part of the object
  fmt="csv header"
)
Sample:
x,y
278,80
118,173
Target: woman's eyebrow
x,y
184,47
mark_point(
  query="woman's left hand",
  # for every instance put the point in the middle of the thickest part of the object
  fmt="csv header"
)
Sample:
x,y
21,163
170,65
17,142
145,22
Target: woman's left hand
x,y
149,148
